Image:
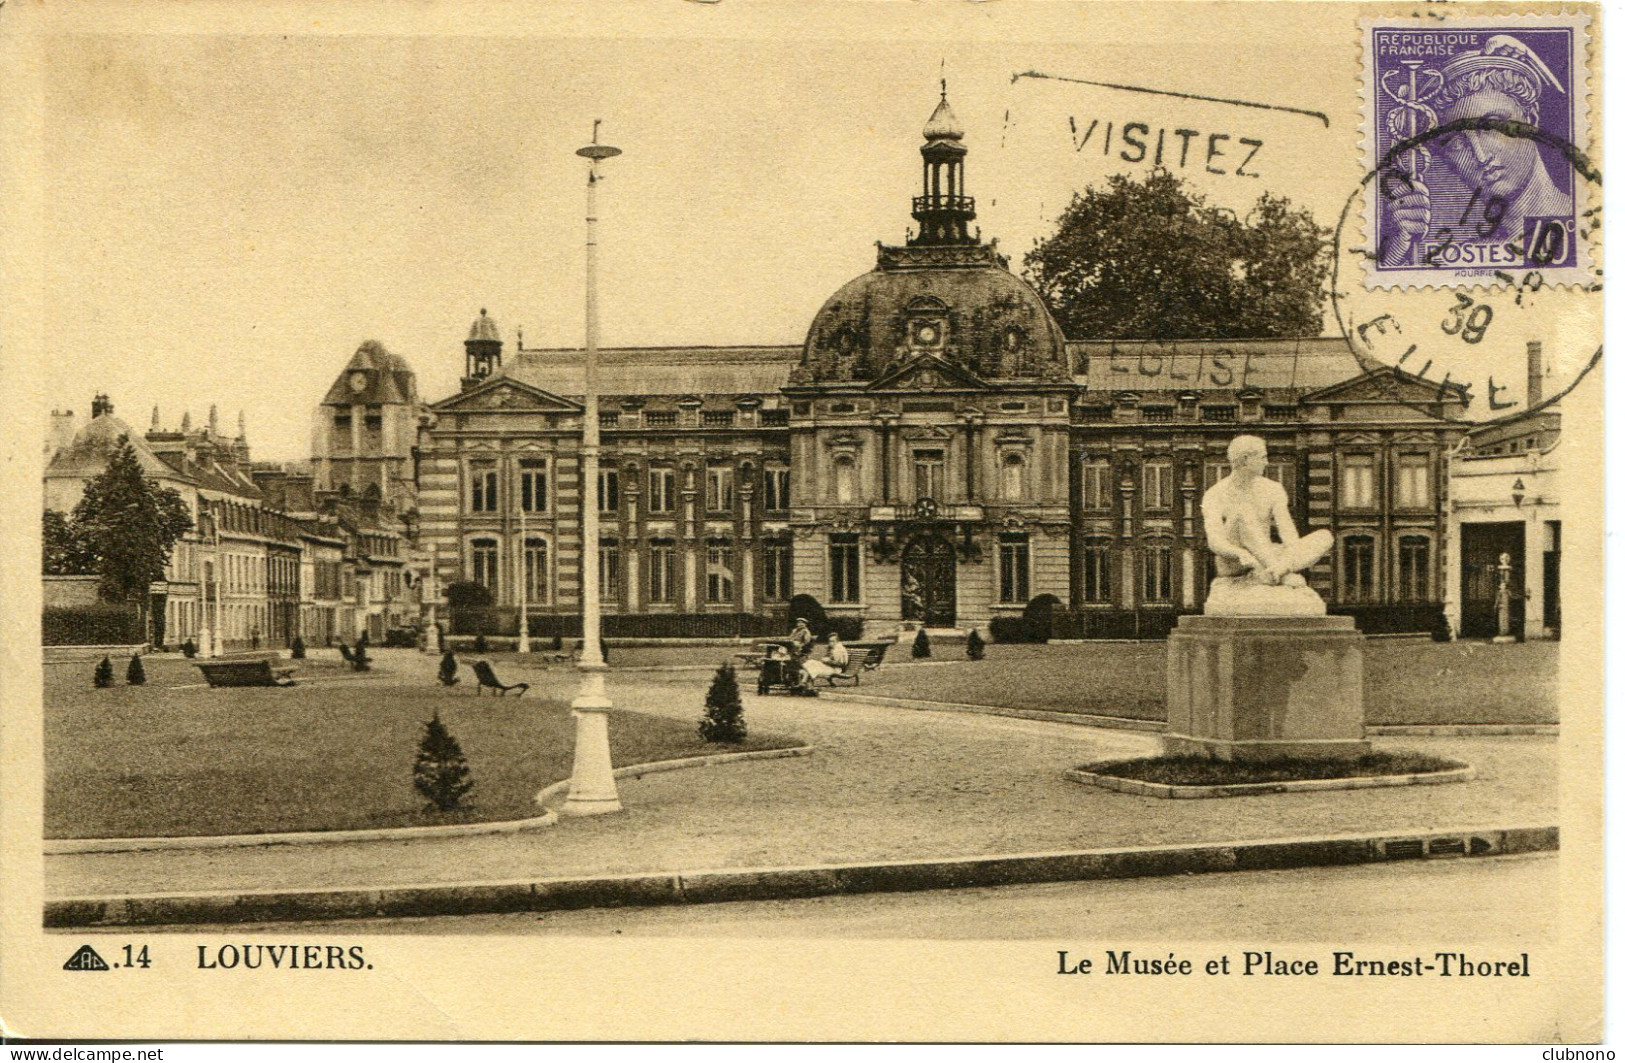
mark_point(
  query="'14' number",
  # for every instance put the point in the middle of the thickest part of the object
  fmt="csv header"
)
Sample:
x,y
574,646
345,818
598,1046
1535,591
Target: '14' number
x,y
134,957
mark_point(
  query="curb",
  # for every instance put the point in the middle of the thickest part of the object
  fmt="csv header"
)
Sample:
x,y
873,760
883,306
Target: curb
x,y
709,886
1142,788
1115,723
76,846
1462,730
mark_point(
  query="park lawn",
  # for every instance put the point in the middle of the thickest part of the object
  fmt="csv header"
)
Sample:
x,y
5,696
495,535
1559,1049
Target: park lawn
x,y
1408,681
146,761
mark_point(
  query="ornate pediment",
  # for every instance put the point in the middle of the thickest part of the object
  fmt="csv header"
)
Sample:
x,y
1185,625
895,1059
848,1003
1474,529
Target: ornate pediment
x,y
1387,384
928,373
505,393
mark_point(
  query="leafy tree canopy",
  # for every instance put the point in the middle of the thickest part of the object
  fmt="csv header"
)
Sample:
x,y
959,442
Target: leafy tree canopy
x,y
131,526
1149,259
66,551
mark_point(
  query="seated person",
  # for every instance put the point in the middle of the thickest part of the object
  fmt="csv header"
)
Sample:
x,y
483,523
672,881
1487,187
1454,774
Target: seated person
x,y
833,664
802,638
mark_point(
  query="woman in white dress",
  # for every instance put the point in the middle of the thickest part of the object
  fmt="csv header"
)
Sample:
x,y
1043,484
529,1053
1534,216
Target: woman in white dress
x,y
833,664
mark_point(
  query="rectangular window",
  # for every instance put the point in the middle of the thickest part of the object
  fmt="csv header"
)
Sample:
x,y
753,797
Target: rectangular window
x,y
609,569
776,488
609,490
1277,471
1218,413
775,570
1094,414
1159,485
1213,472
484,567
1157,413
533,485
719,488
1413,568
1158,567
1414,481
929,467
660,418
719,571
535,571
1097,483
717,418
1359,485
1014,563
662,572
1097,570
1359,564
482,487
662,490
843,567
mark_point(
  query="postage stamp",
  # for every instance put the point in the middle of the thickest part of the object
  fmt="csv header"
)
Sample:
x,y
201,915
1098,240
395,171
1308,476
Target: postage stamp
x,y
1476,132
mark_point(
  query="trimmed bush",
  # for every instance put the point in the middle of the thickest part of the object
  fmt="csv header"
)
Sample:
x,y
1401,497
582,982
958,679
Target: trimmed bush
x,y
975,648
448,669
479,644
136,674
441,774
922,645
189,648
298,653
104,673
806,607
724,719
1039,616
91,625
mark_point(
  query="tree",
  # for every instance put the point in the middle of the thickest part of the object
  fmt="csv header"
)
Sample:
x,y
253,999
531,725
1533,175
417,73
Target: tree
x,y
724,719
975,647
922,644
104,673
66,552
1149,259
441,774
131,524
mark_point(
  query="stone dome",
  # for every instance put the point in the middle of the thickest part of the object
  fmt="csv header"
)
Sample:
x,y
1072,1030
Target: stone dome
x,y
484,328
942,125
979,315
103,433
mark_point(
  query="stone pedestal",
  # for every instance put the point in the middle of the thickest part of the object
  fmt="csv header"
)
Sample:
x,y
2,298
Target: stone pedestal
x,y
1266,687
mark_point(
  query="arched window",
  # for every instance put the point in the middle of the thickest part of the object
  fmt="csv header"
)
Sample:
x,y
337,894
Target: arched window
x,y
1013,478
483,562
535,570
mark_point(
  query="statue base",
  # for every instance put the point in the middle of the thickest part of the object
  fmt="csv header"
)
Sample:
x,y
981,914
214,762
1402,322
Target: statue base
x,y
1245,596
1257,688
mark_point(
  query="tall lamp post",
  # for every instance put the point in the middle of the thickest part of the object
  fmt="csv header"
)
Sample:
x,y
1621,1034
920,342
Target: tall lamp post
x,y
592,781
524,572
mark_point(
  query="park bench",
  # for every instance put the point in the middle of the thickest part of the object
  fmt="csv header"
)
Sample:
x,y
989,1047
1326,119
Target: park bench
x,y
488,678
861,657
246,674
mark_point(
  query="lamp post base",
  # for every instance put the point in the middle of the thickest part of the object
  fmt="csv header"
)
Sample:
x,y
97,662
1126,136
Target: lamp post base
x,y
592,777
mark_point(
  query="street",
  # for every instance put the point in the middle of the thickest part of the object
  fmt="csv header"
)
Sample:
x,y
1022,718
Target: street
x,y
1502,901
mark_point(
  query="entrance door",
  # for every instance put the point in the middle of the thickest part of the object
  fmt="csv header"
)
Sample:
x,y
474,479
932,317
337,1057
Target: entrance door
x,y
1481,548
928,581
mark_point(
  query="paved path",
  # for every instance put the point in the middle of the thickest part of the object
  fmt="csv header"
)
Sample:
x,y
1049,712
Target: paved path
x,y
1501,904
884,783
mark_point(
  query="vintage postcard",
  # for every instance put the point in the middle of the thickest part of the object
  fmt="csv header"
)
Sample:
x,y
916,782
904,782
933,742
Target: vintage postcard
x,y
819,521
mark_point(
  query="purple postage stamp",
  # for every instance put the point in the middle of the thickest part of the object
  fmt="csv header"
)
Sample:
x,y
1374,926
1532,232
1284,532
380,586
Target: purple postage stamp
x,y
1476,150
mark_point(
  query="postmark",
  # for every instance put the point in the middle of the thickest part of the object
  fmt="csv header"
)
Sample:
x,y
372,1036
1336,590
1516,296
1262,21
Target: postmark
x,y
1480,187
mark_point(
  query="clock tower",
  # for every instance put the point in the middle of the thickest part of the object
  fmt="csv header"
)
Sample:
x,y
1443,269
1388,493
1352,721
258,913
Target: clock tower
x,y
366,427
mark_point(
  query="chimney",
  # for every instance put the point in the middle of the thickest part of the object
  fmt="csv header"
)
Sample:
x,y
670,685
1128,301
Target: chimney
x,y
214,420
1537,376
61,432
100,405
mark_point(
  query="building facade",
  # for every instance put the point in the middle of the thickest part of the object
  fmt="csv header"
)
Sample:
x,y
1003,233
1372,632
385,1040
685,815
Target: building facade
x,y
935,452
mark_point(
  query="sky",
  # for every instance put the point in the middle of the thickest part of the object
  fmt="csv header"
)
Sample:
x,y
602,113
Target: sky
x,y
228,215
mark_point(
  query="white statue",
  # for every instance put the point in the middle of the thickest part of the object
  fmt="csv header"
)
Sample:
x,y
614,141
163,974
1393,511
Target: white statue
x,y
1259,574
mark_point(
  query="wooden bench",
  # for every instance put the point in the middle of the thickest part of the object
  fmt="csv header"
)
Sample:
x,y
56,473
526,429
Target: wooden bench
x,y
861,657
246,674
488,678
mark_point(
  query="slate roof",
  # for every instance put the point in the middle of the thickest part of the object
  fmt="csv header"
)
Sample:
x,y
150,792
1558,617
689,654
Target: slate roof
x,y
657,370
94,446
1300,365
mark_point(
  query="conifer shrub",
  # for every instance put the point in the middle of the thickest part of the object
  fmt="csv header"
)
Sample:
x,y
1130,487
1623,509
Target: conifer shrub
x,y
479,643
136,674
189,648
975,648
298,648
724,719
448,669
441,773
104,672
922,645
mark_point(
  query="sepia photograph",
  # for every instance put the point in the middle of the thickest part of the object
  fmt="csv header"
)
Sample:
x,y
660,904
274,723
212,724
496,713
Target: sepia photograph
x,y
890,506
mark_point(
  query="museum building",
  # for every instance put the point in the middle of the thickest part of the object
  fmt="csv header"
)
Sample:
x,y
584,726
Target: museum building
x,y
935,452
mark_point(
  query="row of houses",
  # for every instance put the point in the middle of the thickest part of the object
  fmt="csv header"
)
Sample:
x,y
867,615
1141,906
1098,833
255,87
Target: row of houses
x,y
268,558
